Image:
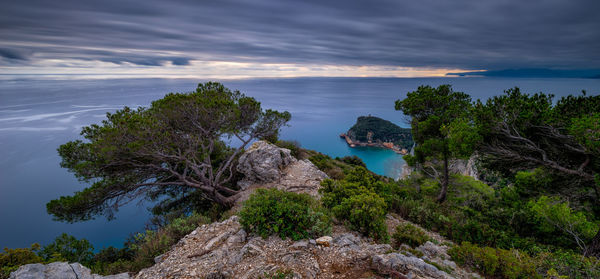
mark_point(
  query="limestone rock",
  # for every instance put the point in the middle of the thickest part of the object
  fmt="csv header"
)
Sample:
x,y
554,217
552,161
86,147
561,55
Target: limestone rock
x,y
262,163
324,241
398,263
59,270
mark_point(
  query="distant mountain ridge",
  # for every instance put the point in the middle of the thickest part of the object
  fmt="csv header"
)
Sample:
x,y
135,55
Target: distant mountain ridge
x,y
533,73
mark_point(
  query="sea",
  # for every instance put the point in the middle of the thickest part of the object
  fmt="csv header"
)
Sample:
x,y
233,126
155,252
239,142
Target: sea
x,y
37,115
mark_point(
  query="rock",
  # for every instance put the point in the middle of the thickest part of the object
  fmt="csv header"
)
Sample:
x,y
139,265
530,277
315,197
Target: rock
x,y
324,241
299,245
158,259
263,163
346,239
312,242
431,250
59,270
395,262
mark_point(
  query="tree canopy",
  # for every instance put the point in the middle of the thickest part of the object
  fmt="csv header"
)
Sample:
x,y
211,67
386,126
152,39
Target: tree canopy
x,y
523,132
440,129
176,145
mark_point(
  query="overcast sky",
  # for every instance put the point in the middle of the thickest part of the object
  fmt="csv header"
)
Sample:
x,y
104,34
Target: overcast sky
x,y
249,38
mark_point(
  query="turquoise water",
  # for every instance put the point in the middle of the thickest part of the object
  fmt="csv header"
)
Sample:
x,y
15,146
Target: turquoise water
x,y
36,116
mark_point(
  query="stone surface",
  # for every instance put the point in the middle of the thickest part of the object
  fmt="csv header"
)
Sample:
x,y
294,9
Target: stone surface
x,y
59,270
262,163
225,250
278,169
324,241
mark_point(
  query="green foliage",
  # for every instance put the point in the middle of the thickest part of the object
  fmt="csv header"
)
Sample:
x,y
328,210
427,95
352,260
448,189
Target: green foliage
x,y
440,126
68,248
279,274
11,259
532,183
513,263
409,234
175,145
522,132
383,130
364,213
297,216
335,168
355,200
556,215
497,263
586,130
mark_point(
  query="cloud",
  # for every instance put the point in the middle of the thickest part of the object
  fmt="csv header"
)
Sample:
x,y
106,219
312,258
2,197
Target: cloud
x,y
435,34
12,54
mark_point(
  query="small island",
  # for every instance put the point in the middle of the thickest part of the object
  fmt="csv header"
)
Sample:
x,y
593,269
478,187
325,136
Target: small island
x,y
376,132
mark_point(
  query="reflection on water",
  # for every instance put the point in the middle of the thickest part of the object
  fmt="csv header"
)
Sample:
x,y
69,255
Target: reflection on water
x,y
37,116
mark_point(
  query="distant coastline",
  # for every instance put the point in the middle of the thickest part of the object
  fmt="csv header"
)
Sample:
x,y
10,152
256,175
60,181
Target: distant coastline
x,y
386,145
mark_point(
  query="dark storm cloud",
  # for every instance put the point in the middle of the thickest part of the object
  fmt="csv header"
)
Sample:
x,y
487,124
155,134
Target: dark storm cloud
x,y
454,34
11,54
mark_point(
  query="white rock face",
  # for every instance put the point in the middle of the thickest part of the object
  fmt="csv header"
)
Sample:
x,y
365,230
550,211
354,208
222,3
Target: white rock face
x,y
263,163
59,270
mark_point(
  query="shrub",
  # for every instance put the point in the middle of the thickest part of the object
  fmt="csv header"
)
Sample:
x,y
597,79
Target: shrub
x,y
148,245
11,259
68,248
353,160
297,216
364,213
492,262
409,234
355,200
556,215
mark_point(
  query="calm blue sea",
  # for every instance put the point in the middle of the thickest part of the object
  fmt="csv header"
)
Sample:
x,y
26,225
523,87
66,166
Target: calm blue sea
x,y
36,116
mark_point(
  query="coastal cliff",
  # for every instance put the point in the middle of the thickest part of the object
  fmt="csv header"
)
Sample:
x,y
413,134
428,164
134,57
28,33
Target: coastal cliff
x,y
376,132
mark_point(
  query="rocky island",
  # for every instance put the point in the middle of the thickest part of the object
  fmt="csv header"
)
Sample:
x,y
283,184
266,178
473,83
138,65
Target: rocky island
x,y
376,132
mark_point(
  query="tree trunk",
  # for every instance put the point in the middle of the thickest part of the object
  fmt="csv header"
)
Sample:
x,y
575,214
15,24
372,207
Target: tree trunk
x,y
442,196
593,249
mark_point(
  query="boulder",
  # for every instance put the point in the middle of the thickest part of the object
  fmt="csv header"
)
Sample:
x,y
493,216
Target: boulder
x,y
324,241
394,263
59,270
263,163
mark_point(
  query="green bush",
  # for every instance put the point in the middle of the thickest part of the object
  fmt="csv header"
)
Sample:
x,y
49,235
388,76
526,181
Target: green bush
x,y
68,248
409,234
297,216
497,263
513,263
355,201
148,245
11,259
364,213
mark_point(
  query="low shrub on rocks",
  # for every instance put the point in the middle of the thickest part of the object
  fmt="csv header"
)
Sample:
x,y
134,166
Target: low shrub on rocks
x,y
274,212
410,235
355,200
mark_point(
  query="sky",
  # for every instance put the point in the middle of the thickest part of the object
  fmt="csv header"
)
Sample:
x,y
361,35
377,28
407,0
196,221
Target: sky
x,y
281,38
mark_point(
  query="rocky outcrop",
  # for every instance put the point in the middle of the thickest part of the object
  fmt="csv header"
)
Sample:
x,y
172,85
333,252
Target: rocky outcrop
x,y
262,163
59,270
225,250
265,165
